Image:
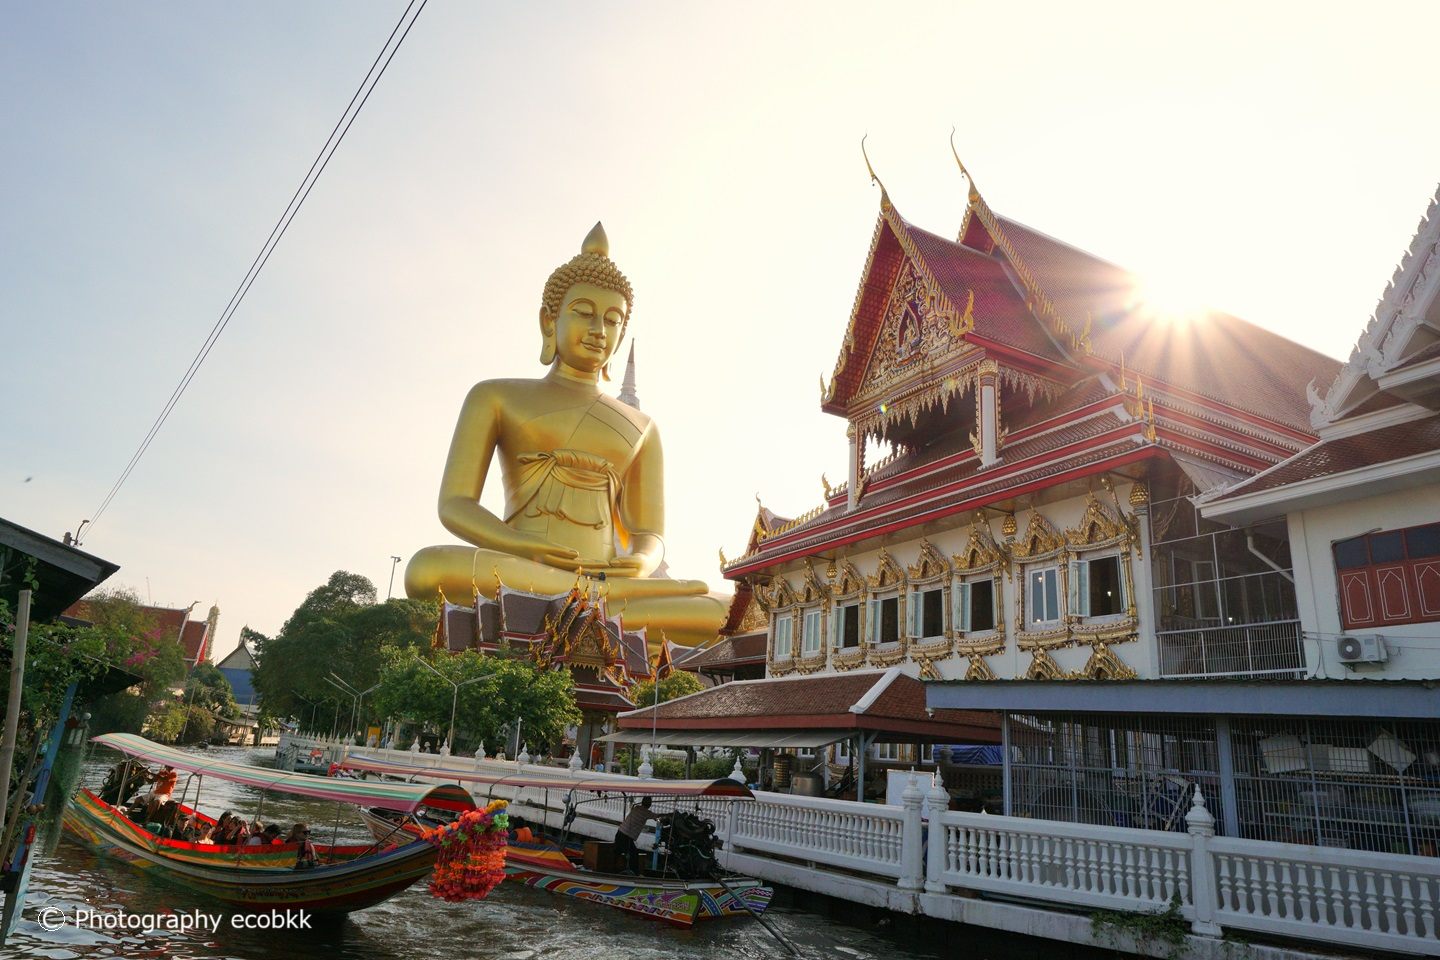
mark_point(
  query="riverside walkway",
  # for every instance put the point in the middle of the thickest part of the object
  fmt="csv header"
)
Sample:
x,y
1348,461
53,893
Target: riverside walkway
x,y
1026,876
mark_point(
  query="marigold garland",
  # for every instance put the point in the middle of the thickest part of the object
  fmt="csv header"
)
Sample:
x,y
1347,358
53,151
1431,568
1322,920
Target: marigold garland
x,y
471,860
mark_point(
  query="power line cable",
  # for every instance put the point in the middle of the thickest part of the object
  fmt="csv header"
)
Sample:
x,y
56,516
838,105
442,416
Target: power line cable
x,y
277,233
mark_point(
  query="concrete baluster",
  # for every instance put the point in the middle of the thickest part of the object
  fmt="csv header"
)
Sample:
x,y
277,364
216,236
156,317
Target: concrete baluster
x,y
912,836
1200,824
939,802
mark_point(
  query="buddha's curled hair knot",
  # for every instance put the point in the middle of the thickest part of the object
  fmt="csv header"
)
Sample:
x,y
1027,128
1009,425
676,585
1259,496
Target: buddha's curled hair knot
x,y
591,265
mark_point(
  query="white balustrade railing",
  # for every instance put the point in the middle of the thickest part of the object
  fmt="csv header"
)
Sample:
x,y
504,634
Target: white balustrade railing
x,y
1073,863
1321,893
865,837
1348,897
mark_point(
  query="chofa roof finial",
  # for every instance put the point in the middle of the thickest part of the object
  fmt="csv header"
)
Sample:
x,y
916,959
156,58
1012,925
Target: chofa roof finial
x,y
974,190
884,194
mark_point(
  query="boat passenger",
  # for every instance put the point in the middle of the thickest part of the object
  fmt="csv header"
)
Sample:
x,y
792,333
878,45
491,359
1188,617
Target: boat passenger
x,y
520,831
629,832
305,856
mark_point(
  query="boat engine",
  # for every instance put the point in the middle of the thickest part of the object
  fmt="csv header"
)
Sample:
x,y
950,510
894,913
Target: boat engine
x,y
692,844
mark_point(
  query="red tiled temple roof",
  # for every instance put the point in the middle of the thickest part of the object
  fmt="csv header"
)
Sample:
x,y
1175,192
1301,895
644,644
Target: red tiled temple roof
x,y
883,701
1343,454
195,638
1217,356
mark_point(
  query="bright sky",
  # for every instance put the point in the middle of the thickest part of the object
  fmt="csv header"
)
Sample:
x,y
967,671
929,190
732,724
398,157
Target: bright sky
x,y
1274,158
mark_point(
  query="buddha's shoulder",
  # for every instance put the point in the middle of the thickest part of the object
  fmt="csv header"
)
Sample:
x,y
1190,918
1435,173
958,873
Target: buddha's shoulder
x,y
635,417
491,391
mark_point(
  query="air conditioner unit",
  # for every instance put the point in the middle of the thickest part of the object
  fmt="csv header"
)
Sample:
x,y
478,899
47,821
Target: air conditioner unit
x,y
1369,648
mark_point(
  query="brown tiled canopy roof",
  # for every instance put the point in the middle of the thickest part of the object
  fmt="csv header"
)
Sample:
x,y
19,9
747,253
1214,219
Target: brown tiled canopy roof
x,y
888,702
727,652
1343,454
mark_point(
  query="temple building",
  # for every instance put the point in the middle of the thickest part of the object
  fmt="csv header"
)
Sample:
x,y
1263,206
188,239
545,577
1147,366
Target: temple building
x,y
1045,428
1112,529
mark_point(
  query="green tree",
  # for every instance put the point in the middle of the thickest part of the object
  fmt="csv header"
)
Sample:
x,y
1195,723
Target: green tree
x,y
210,689
680,683
133,639
496,693
338,628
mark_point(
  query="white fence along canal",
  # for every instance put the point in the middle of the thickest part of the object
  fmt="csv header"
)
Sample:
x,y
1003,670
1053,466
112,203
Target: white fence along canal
x,y
898,858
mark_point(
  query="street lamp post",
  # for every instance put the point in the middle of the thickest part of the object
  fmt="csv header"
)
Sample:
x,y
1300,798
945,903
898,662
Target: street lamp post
x,y
394,560
455,699
350,692
360,712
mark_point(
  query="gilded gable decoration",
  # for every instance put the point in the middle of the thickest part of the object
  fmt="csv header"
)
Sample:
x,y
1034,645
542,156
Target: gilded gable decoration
x,y
1043,667
1099,527
1040,539
980,670
930,566
888,573
848,582
980,550
812,588
754,619
1105,665
776,595
928,670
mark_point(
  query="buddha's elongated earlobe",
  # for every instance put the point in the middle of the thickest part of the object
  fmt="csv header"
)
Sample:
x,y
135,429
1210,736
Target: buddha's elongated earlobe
x,y
547,346
605,371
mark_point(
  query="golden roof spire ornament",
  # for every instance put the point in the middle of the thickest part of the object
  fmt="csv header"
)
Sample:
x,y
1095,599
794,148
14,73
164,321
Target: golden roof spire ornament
x,y
884,194
974,190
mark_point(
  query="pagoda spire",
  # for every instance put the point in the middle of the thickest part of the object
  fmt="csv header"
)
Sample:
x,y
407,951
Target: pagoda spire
x,y
627,386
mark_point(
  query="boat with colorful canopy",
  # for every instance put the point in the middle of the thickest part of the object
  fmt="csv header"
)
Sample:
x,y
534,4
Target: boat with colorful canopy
x,y
682,882
270,876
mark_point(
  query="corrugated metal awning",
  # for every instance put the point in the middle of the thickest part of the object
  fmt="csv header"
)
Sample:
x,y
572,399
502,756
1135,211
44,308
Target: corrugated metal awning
x,y
730,738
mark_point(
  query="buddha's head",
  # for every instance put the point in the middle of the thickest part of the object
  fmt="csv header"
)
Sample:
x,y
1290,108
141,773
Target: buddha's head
x,y
585,308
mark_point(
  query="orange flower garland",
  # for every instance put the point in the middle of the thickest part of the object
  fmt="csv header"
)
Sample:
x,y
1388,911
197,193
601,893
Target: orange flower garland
x,y
471,861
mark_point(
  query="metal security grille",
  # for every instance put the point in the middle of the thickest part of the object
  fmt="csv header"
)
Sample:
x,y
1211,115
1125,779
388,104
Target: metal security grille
x,y
1364,785
1224,597
1112,770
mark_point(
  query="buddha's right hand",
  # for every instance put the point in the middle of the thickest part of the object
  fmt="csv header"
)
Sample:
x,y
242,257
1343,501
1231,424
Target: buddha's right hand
x,y
541,550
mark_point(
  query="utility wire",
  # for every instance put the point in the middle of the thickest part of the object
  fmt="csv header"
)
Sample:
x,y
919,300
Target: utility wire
x,y
277,233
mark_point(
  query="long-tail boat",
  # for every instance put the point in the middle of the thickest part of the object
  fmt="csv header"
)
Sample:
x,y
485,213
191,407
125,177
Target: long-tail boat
x,y
682,884
265,877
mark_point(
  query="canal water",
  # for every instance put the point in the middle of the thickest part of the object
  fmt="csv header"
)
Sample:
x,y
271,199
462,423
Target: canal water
x,y
516,922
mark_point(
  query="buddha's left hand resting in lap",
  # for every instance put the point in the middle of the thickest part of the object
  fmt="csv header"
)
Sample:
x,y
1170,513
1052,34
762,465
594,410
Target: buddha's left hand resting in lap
x,y
581,472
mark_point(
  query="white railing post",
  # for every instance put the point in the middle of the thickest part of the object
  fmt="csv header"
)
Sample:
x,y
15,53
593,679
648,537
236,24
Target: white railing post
x,y
732,826
1201,825
912,837
939,801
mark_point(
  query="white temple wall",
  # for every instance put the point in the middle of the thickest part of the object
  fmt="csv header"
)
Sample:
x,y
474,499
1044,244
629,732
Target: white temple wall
x,y
1106,645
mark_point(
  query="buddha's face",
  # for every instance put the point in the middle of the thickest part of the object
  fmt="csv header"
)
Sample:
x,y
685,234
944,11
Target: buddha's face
x,y
588,327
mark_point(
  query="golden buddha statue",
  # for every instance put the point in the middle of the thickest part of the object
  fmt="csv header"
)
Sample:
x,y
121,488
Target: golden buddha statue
x,y
583,473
